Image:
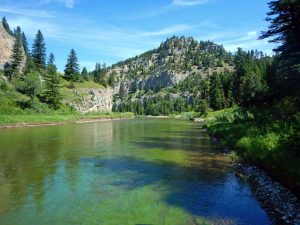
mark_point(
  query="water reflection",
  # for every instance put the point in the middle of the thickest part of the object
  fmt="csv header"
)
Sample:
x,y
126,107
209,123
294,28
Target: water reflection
x,y
138,171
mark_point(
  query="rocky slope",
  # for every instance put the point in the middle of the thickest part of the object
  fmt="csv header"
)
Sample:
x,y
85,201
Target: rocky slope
x,y
91,99
175,61
6,46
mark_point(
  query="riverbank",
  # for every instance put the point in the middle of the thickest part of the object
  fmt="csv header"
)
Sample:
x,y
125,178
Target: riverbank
x,y
29,120
265,137
277,200
263,145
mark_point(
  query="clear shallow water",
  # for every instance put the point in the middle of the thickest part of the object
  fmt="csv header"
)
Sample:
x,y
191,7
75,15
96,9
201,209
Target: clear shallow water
x,y
141,171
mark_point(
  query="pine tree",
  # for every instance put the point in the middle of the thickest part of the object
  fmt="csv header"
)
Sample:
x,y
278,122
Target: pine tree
x,y
30,66
6,26
85,74
72,67
25,43
284,28
51,95
51,59
102,75
39,51
17,57
284,18
250,77
18,32
216,92
112,80
97,73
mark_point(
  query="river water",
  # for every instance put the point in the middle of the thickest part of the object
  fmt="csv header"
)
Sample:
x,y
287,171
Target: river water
x,y
140,171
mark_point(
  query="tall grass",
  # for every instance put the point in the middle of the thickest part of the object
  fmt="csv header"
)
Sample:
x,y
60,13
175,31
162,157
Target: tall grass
x,y
268,137
23,119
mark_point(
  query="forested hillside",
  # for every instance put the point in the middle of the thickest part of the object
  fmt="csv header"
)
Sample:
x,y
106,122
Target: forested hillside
x,y
31,84
186,75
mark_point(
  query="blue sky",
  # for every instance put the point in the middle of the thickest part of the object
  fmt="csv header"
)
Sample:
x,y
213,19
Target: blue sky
x,y
113,30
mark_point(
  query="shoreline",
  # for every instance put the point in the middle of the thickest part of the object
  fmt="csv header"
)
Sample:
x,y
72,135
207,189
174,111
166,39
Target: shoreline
x,y
277,199
78,121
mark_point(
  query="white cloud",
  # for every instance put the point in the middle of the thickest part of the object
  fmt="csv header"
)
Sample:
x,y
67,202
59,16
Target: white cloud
x,y
231,40
252,34
26,12
167,30
174,5
31,26
189,2
67,3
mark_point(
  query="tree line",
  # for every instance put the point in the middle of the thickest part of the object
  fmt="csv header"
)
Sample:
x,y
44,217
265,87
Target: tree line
x,y
35,75
257,79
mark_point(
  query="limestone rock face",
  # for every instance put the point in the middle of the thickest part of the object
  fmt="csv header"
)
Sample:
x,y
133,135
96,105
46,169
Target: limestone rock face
x,y
161,80
6,47
174,61
91,100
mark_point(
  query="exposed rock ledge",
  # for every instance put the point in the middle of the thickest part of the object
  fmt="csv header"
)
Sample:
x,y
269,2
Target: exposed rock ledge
x,y
91,99
6,46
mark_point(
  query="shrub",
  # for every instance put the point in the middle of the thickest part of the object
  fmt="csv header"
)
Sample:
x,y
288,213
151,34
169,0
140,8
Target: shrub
x,y
29,85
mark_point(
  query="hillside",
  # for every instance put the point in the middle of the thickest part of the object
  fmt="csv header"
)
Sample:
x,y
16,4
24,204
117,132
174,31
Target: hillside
x,y
173,61
7,42
175,69
6,45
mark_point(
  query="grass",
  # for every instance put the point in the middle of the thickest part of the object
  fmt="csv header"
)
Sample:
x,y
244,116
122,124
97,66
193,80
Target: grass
x,y
19,109
183,115
25,119
84,84
268,137
68,92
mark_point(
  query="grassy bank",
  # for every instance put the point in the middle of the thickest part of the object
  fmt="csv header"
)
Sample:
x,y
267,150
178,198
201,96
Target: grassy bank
x,y
268,137
32,119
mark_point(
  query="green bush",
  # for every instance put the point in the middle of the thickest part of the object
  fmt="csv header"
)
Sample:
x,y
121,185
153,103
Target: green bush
x,y
268,136
33,105
29,85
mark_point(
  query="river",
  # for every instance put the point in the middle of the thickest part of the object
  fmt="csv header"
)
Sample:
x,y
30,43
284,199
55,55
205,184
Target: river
x,y
140,171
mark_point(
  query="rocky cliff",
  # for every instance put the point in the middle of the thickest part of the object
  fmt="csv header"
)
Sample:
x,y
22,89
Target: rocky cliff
x,y
172,62
175,61
6,46
7,42
91,99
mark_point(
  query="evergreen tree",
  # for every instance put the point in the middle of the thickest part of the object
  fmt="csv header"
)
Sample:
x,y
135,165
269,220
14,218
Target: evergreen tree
x,y
250,77
18,32
284,18
29,66
6,26
99,74
39,51
112,80
85,74
72,67
17,57
25,43
284,28
216,92
51,59
51,95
